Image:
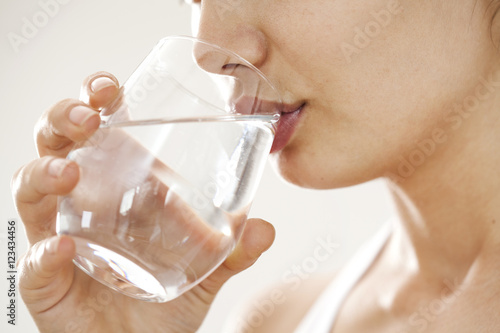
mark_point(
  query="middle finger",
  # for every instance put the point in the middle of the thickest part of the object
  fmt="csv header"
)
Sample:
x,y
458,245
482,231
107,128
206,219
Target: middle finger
x,y
65,123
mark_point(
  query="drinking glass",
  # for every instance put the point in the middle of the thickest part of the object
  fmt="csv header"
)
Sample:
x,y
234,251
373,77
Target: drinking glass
x,y
167,180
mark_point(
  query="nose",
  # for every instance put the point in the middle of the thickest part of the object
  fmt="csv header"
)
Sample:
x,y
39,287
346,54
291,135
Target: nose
x,y
243,88
233,25
230,24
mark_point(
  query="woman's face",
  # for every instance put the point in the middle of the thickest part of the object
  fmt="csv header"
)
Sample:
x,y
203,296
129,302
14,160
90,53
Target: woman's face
x,y
375,78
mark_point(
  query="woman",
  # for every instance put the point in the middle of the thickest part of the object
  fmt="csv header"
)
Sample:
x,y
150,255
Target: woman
x,y
406,90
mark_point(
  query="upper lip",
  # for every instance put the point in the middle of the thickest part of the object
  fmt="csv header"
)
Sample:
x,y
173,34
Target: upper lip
x,y
287,108
252,105
246,105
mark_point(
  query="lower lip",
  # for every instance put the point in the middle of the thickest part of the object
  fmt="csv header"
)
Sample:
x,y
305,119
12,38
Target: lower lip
x,y
285,129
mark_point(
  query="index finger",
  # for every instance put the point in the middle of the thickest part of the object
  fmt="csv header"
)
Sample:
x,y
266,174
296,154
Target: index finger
x,y
62,125
71,120
99,89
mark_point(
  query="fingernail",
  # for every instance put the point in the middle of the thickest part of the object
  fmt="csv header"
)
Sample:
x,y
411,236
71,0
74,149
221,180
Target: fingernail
x,y
79,114
52,245
57,166
101,83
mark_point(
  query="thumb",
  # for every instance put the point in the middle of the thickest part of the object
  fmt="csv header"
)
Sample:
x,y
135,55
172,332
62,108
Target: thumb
x,y
46,272
257,237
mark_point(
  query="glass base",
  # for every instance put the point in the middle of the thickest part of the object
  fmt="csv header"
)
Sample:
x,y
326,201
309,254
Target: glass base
x,y
119,273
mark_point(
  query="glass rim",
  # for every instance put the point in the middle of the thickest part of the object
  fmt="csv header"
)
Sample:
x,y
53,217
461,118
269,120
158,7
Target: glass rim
x,y
229,53
125,97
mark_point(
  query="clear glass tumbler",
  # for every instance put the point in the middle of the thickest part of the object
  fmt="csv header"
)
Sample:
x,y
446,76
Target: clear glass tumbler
x,y
167,180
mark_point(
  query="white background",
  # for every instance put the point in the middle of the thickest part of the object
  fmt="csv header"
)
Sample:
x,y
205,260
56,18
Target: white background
x,y
91,35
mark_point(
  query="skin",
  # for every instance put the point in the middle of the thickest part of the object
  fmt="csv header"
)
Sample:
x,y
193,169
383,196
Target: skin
x,y
364,114
60,297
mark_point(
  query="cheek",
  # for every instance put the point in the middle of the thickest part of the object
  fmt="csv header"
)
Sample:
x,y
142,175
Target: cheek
x,y
330,150
360,132
366,112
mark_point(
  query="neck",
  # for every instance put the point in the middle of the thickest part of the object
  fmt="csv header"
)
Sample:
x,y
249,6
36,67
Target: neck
x,y
449,208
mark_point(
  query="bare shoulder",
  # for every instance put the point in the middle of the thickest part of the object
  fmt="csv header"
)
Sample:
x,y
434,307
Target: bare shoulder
x,y
281,307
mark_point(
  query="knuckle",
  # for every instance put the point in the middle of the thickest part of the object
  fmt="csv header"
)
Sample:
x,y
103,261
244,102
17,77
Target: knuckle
x,y
16,181
52,128
59,110
26,264
24,180
45,121
21,260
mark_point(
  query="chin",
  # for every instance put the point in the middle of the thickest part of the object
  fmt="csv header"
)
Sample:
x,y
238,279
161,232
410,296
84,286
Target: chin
x,y
305,171
297,172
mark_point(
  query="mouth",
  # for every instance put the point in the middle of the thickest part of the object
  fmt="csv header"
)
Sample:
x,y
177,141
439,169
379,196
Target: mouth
x,y
290,117
288,120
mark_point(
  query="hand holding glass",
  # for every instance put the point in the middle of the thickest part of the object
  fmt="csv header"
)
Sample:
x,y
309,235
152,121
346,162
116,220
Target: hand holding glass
x,y
167,181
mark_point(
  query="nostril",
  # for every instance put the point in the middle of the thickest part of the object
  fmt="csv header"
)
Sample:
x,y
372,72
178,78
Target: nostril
x,y
230,66
237,79
209,58
216,60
